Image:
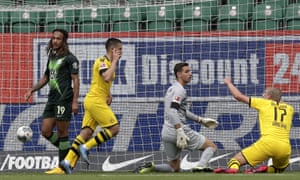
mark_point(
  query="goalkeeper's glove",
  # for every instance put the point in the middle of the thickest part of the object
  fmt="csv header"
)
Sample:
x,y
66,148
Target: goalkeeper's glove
x,y
182,139
208,122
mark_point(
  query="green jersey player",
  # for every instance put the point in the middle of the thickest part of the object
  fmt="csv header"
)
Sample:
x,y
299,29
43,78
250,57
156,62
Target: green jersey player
x,y
62,76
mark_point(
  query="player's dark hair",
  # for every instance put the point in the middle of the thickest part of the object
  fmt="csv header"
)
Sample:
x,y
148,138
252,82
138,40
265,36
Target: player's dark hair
x,y
274,93
64,32
65,47
178,67
111,42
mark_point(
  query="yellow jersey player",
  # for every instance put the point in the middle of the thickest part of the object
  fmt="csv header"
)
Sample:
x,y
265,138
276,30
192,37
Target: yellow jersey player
x,y
96,107
275,121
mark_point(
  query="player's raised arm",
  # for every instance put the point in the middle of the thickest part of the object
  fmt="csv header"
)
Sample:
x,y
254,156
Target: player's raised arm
x,y
114,53
235,92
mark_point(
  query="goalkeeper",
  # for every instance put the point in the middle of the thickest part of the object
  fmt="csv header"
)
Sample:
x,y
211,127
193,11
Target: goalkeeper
x,y
176,134
275,120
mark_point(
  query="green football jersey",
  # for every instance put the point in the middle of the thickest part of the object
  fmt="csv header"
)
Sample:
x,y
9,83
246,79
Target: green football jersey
x,y
59,70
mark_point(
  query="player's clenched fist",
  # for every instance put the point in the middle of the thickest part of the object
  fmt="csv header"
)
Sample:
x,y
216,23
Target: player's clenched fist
x,y
227,80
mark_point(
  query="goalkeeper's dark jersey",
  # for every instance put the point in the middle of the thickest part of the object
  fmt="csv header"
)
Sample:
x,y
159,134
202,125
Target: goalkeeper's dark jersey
x,y
59,70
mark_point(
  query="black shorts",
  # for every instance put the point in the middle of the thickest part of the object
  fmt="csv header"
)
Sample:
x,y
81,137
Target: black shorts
x,y
59,111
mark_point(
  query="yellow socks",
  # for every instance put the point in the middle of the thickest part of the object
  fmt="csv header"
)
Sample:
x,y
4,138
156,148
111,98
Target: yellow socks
x,y
100,138
73,153
233,163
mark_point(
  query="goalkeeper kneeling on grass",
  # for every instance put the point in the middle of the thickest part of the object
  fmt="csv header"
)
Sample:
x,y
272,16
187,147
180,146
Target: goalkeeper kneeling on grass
x,y
275,120
176,134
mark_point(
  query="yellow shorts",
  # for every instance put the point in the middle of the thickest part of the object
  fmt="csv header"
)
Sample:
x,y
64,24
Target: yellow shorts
x,y
97,113
266,148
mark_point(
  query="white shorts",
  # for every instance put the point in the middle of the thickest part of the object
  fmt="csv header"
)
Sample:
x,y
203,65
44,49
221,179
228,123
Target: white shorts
x,y
169,138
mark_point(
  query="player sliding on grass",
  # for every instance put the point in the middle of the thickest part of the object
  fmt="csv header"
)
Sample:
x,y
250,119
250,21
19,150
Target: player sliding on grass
x,y
96,107
275,120
176,134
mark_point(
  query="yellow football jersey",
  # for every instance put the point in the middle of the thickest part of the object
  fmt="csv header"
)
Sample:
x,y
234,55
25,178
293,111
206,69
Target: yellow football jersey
x,y
100,88
275,119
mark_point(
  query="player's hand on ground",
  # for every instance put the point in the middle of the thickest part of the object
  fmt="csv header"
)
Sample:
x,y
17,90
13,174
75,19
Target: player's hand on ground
x,y
182,138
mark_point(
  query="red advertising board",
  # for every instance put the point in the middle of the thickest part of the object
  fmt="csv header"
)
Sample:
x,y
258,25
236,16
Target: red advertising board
x,y
16,67
283,66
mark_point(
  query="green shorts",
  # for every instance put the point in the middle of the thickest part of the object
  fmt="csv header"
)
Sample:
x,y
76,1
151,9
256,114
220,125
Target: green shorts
x,y
59,111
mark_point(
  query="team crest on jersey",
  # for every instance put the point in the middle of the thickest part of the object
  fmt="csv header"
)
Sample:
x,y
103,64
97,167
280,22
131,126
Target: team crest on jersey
x,y
103,66
177,99
75,65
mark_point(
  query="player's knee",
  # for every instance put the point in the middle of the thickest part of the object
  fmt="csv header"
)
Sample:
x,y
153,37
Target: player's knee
x,y
176,170
272,169
46,133
209,144
214,146
62,132
240,158
114,130
86,133
175,165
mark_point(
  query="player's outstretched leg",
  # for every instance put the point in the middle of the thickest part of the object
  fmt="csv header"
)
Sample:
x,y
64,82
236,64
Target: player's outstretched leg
x,y
146,168
233,167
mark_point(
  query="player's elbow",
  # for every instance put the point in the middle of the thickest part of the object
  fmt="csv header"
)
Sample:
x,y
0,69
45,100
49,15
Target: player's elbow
x,y
106,80
241,98
107,77
237,96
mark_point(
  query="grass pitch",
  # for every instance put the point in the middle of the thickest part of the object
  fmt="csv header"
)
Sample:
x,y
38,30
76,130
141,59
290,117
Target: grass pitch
x,y
151,176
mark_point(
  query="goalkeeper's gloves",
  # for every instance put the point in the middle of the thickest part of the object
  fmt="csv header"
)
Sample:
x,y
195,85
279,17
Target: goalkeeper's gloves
x,y
208,122
182,139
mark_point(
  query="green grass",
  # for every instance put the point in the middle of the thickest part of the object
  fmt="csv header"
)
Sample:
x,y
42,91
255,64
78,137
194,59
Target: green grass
x,y
151,176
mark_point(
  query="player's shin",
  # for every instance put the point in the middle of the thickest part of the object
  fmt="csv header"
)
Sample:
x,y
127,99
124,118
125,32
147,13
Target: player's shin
x,y
207,154
63,147
100,138
233,163
53,138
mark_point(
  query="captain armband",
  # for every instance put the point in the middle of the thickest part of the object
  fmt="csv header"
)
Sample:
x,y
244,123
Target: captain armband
x,y
102,71
175,105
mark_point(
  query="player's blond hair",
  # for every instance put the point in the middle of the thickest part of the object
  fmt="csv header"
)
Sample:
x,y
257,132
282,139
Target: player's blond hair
x,y
274,93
